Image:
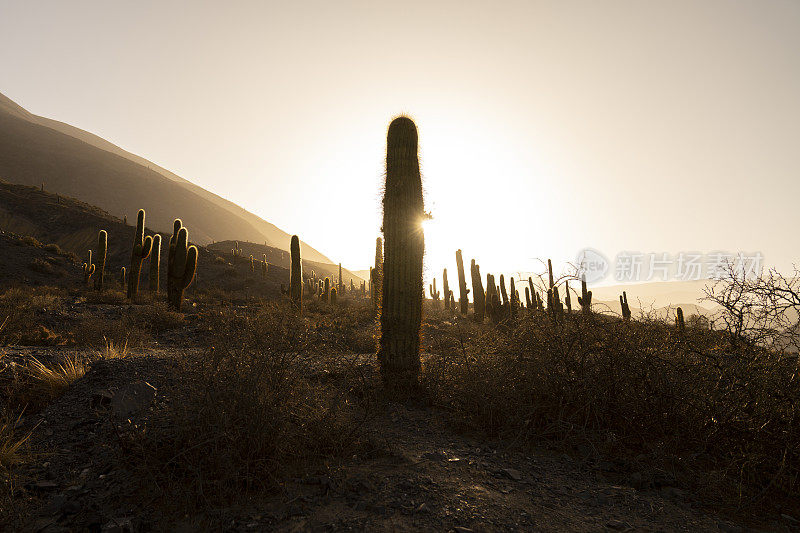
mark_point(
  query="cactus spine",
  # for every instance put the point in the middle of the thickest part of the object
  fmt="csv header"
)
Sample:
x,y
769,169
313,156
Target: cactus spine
x,y
585,299
462,285
296,274
88,270
140,251
478,296
102,247
155,264
401,310
183,268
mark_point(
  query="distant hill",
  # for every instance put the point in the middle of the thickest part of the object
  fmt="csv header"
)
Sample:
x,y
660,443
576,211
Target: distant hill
x,y
67,160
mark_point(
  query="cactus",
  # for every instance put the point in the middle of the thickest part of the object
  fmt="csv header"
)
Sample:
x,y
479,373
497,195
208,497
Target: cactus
x,y
513,302
176,227
264,266
550,273
122,276
446,288
376,277
626,310
528,299
478,296
403,212
326,293
352,286
88,270
462,285
183,268
155,264
333,296
679,322
140,251
567,298
296,275
503,292
340,282
252,265
585,299
434,294
102,247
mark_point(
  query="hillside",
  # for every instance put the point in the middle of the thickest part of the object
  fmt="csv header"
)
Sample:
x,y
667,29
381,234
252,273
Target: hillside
x,y
72,162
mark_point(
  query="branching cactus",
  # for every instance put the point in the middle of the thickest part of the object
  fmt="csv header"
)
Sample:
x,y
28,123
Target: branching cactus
x,y
623,303
434,294
102,247
478,296
404,242
88,270
176,228
155,265
296,275
264,266
140,251
183,268
585,299
462,285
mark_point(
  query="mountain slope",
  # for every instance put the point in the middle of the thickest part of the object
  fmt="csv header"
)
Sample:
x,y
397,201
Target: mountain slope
x,y
71,161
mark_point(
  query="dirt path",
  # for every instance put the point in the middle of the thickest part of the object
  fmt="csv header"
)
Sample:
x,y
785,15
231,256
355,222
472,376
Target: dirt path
x,y
425,476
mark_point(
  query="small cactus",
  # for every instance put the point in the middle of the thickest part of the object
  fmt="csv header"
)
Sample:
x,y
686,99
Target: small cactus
x,y
140,251
122,276
462,285
626,310
333,296
88,270
183,268
155,265
585,299
478,296
446,288
296,274
102,247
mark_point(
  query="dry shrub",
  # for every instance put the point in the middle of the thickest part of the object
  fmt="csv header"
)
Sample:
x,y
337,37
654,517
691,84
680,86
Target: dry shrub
x,y
157,317
245,414
687,405
106,296
97,332
23,312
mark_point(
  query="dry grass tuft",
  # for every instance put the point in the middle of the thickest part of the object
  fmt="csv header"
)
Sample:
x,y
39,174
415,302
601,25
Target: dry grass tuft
x,y
47,382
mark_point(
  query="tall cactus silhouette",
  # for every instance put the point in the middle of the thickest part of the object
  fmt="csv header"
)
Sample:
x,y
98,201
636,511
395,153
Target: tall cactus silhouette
x,y
567,297
155,264
176,228
140,251
679,322
296,274
404,247
102,247
376,275
326,293
183,268
88,270
340,282
478,296
462,284
446,288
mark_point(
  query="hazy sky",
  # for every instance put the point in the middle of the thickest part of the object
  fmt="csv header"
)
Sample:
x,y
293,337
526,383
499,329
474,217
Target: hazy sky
x,y
544,127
